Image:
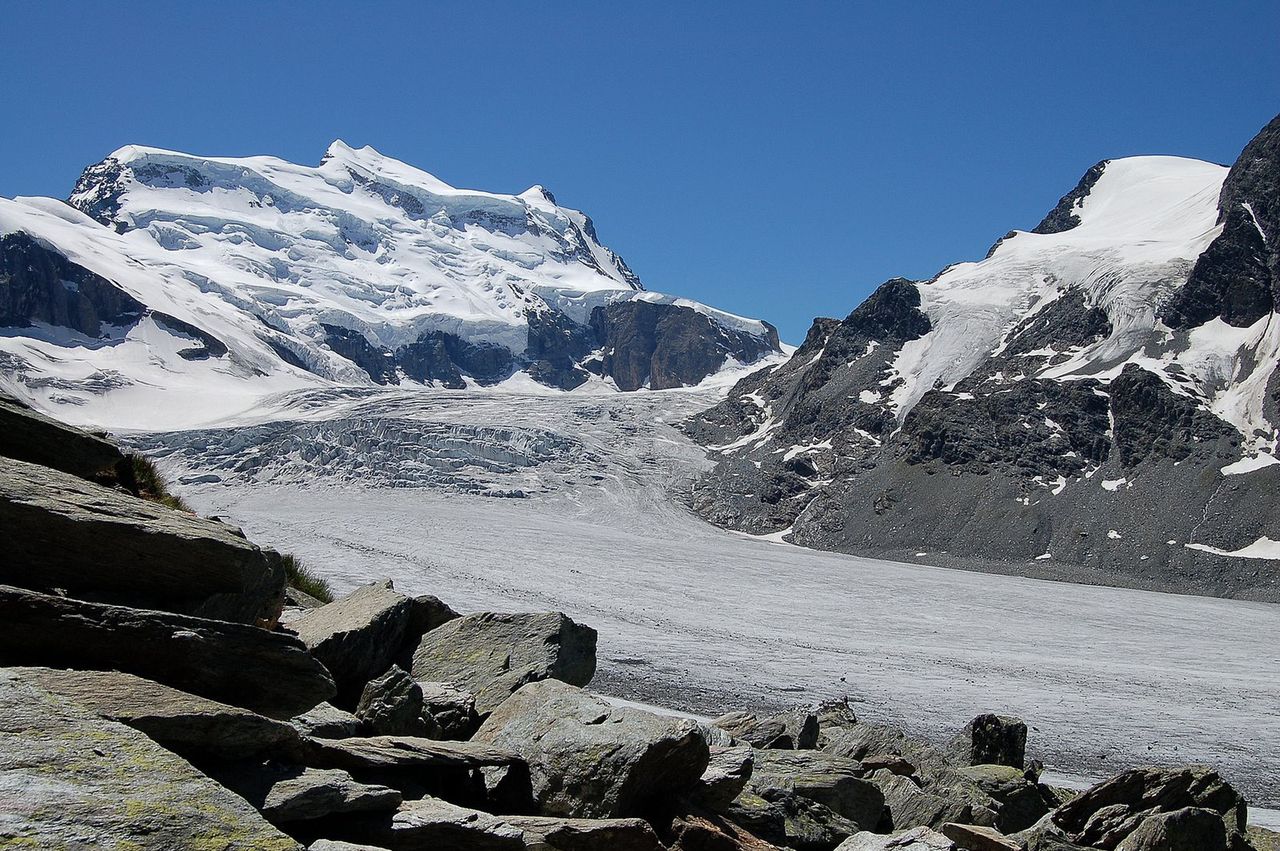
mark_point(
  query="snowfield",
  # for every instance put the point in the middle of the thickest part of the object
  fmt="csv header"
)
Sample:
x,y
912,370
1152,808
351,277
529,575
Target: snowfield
x,y
703,620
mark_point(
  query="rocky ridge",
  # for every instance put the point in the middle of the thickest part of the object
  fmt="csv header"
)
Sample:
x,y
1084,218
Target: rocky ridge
x,y
381,721
1095,400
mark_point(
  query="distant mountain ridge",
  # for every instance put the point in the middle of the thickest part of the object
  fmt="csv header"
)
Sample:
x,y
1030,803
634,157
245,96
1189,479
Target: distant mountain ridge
x,y
1095,399
166,275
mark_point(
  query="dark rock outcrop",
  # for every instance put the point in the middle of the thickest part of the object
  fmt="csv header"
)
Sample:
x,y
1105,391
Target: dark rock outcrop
x,y
60,531
38,284
991,739
268,672
1063,216
1238,276
493,655
588,759
646,344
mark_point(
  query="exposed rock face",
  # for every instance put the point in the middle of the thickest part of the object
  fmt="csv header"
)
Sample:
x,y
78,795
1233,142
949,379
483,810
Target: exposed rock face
x,y
1112,810
358,637
184,723
267,672
105,545
38,284
493,655
662,345
66,773
30,436
1022,802
1238,276
588,759
991,740
1047,385
451,711
435,357
395,752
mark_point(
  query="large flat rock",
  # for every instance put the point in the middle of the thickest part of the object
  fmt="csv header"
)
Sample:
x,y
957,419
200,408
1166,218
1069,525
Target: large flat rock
x,y
60,531
70,779
492,655
589,759
184,723
29,435
381,752
268,672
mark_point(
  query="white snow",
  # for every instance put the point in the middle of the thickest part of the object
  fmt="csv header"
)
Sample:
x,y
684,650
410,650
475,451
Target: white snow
x,y
1264,548
1249,464
256,248
1114,484
1142,225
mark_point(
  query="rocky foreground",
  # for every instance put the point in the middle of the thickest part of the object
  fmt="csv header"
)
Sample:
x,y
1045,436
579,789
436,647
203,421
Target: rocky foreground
x,y
163,688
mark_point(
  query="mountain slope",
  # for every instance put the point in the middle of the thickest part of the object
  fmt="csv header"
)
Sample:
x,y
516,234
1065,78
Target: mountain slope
x,y
169,275
1095,399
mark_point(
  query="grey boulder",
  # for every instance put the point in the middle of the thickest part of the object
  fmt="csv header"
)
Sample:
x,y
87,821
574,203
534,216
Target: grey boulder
x,y
493,655
358,637
909,806
1187,829
67,774
60,531
1022,802
327,721
728,770
431,824
972,837
451,710
392,705
547,833
1105,814
793,730
588,759
834,782
916,839
183,723
290,793
268,672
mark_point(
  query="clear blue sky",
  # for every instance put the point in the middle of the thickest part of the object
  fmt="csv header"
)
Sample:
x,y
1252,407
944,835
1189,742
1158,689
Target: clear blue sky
x,y
774,159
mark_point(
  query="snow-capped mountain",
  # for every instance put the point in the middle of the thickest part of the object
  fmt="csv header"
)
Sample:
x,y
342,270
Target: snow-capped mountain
x,y
198,283
1096,398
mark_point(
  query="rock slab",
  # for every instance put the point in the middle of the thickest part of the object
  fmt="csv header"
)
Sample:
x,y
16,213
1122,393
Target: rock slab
x,y
66,774
60,531
268,672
